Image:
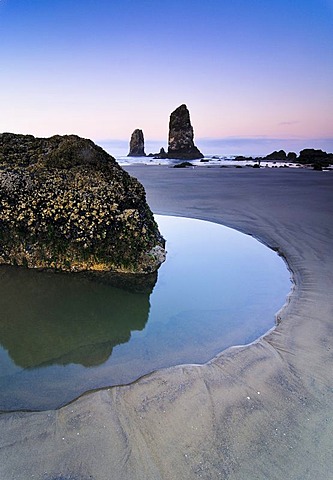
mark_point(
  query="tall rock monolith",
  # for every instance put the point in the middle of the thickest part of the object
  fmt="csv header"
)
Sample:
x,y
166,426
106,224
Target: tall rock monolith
x,y
137,144
181,143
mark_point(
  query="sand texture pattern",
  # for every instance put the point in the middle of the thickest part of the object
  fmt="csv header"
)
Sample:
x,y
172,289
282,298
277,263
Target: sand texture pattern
x,y
262,411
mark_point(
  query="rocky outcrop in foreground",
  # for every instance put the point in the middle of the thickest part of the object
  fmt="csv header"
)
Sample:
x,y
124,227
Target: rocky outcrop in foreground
x,y
181,143
66,204
137,144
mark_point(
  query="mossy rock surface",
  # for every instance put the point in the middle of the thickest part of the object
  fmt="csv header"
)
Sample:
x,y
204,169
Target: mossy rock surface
x,y
66,204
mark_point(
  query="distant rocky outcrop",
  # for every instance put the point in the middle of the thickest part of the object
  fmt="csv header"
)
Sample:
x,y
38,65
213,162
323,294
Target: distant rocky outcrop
x,y
291,157
181,144
66,204
318,159
315,157
280,155
276,155
183,165
242,158
161,154
308,156
137,144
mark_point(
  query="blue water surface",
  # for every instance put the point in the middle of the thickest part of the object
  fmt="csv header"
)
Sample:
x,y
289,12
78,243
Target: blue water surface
x,y
62,335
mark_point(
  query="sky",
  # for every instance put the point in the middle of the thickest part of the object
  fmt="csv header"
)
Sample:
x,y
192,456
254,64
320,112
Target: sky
x,y
256,75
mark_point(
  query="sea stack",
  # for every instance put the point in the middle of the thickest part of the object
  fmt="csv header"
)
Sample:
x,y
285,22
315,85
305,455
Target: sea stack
x,y
181,144
137,144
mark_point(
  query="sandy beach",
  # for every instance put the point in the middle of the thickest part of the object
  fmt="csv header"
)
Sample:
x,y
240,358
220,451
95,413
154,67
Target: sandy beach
x,y
262,411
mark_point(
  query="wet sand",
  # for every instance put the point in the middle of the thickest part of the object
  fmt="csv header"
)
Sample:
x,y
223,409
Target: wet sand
x,y
262,411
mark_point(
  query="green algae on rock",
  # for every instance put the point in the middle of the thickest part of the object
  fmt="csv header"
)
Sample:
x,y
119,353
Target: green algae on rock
x,y
66,204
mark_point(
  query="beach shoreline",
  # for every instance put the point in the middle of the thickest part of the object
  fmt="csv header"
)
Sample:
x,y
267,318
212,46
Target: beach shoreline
x,y
258,411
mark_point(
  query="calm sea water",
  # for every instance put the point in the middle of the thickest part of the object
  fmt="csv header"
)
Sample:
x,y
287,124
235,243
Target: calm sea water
x,y
62,335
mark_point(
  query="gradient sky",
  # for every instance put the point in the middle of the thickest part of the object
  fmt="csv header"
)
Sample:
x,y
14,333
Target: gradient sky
x,y
249,70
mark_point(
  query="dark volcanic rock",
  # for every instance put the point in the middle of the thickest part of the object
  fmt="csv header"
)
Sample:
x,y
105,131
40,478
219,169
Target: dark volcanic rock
x,y
242,158
291,157
183,165
248,159
280,155
315,157
162,154
137,144
181,136
66,204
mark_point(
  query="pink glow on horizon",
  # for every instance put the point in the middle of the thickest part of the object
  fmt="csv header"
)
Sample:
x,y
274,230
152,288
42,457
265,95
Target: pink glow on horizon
x,y
248,71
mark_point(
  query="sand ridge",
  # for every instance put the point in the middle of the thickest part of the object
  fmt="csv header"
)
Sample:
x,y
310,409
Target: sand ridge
x,y
262,411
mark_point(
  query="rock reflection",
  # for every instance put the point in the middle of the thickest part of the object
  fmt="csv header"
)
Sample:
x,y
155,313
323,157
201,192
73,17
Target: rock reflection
x,y
65,334
49,318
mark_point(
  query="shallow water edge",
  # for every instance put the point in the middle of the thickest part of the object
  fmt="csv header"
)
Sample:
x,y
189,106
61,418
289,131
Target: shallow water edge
x,y
246,252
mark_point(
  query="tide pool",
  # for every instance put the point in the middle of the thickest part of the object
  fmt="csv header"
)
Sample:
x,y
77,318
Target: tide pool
x,y
62,335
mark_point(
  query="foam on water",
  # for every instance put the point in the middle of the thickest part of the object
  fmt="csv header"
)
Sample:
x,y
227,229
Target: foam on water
x,y
209,160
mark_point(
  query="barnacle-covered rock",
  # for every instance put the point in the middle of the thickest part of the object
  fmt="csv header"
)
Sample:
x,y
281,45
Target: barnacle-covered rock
x,y
66,204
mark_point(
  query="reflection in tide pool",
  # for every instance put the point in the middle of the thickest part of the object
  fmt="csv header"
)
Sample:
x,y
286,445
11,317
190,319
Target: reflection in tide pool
x,y
62,335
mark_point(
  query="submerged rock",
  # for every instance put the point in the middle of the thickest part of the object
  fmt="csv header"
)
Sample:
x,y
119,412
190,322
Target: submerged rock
x,y
137,144
66,204
181,144
183,165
